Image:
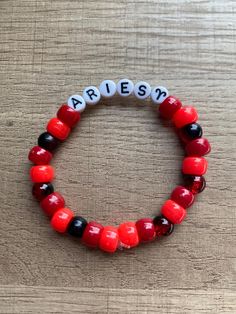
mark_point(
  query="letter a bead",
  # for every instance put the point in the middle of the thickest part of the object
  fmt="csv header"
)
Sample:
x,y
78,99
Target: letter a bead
x,y
77,103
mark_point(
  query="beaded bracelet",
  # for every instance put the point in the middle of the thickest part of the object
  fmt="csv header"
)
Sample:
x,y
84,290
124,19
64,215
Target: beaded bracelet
x,y
128,234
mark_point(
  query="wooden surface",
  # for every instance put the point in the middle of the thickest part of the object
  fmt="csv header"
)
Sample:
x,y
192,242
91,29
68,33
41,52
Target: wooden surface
x,y
122,162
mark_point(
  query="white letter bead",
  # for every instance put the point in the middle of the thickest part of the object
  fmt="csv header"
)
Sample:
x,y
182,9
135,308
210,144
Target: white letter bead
x,y
159,94
91,95
142,90
125,87
107,88
76,102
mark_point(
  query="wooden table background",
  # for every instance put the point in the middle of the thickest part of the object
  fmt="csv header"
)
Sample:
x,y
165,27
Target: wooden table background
x,y
121,163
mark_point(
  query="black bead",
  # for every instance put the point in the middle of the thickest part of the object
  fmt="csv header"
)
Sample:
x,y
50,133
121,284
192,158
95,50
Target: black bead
x,y
48,142
163,226
195,184
77,226
41,190
192,131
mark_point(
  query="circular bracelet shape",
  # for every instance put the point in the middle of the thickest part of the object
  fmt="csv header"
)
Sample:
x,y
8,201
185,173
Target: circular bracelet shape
x,y
129,234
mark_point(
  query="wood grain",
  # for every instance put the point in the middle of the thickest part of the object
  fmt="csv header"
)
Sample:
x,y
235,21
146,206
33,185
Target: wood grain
x,y
121,162
106,300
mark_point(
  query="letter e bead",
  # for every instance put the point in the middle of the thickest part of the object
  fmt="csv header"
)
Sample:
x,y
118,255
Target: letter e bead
x,y
125,87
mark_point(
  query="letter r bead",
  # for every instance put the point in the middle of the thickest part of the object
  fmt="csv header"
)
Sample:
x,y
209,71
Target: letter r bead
x,y
91,95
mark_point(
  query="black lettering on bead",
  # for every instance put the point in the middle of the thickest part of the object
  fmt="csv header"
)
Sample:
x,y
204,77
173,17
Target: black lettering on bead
x,y
142,90
108,89
75,102
90,92
123,86
160,93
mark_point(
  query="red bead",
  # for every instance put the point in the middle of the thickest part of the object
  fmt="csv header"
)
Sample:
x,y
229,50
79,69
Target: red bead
x,y
58,129
146,229
39,156
109,239
92,234
182,196
61,219
68,115
163,227
198,147
173,212
40,174
185,115
128,235
52,203
195,184
169,107
194,166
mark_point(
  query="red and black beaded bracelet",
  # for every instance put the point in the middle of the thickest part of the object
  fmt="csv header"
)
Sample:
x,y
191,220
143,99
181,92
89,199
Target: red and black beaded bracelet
x,y
128,234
